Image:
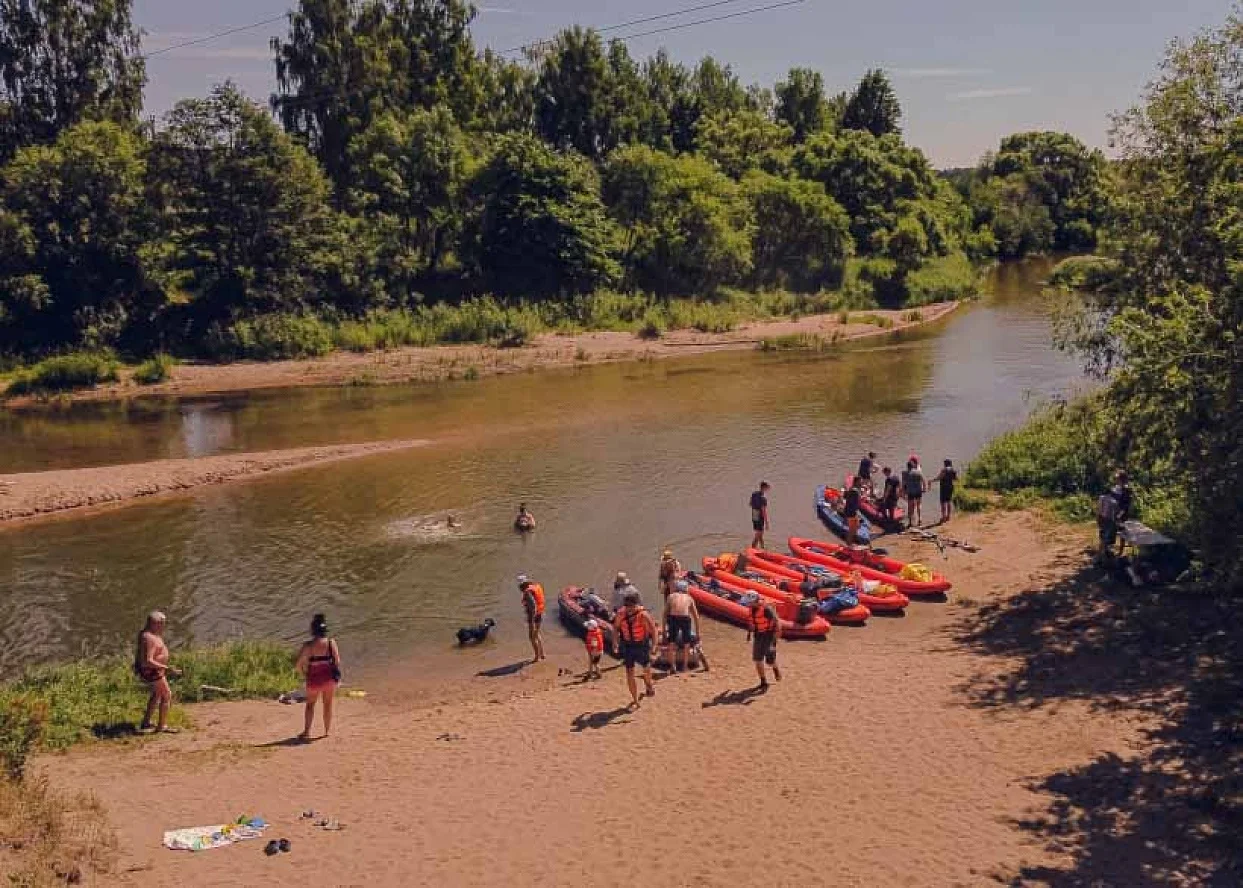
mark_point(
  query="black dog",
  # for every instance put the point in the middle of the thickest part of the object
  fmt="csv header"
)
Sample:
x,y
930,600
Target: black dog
x,y
475,634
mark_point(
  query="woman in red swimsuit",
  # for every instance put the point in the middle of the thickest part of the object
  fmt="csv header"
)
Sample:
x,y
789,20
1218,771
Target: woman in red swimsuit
x,y
320,661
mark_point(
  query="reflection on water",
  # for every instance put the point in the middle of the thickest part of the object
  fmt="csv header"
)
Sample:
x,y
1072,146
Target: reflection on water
x,y
615,461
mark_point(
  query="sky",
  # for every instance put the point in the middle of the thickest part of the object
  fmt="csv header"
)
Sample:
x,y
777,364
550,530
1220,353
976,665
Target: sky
x,y
967,72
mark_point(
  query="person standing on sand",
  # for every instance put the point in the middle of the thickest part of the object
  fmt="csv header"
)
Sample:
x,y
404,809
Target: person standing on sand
x,y
763,631
913,487
850,511
670,570
636,632
621,588
889,498
593,640
681,624
320,662
867,467
1122,493
945,479
533,605
759,515
151,665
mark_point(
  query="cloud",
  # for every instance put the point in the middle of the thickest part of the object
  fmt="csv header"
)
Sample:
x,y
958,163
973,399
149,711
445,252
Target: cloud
x,y
972,94
930,73
500,10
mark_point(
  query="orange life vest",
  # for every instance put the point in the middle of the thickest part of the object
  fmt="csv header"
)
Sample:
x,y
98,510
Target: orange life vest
x,y
632,626
536,591
595,640
761,622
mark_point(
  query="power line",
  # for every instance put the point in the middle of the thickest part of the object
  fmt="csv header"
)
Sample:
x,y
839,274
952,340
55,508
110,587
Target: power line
x,y
707,21
209,37
630,24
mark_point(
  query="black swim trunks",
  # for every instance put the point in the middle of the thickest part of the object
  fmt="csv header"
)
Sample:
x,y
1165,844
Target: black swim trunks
x,y
764,647
635,653
679,629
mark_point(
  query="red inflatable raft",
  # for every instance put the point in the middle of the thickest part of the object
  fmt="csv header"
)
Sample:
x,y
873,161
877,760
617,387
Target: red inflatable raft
x,y
872,566
724,601
779,589
795,571
870,506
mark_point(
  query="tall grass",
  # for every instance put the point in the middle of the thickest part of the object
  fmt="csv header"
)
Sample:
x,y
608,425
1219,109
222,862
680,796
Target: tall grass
x,y
941,280
64,373
158,368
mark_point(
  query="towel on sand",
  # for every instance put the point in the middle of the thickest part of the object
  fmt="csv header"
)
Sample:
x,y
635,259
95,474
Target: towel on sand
x,y
204,838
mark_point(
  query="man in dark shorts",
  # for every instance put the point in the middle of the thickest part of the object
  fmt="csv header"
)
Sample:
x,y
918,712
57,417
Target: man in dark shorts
x,y
889,498
636,633
759,515
681,623
946,479
867,466
913,487
765,629
853,499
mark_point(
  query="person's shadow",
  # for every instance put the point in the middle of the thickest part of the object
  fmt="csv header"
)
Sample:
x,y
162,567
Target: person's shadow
x,y
596,720
502,671
745,697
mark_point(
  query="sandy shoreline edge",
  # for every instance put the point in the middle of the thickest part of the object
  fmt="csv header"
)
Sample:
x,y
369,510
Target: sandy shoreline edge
x,y
32,496
444,362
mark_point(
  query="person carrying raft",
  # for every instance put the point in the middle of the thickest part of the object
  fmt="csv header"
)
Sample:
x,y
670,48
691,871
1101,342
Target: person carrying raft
x,y
525,520
763,631
636,631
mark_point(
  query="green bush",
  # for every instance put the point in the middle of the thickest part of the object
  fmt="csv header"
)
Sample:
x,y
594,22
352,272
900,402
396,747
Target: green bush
x,y
1083,273
1053,453
23,720
874,319
94,697
271,338
942,279
157,368
652,326
65,372
966,500
794,342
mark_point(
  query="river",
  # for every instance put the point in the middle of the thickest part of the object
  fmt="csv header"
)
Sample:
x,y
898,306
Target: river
x,y
615,460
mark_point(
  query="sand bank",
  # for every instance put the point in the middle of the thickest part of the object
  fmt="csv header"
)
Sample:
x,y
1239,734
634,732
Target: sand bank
x,y
32,495
868,765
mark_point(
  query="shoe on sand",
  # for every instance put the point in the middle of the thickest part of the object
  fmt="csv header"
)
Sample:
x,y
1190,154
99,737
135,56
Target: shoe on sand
x,y
271,848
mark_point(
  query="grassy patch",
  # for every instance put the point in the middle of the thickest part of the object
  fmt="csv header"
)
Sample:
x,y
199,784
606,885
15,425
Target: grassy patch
x,y
914,316
155,369
52,838
794,342
966,500
874,320
942,279
93,698
65,373
1083,273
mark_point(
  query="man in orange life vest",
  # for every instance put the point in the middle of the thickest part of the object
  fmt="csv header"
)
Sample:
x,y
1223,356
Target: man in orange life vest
x,y
765,629
637,632
533,604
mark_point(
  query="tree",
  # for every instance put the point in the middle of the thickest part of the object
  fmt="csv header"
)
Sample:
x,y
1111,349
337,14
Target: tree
x,y
410,170
246,209
62,62
802,236
742,141
74,232
873,106
801,103
687,226
673,115
537,227
585,97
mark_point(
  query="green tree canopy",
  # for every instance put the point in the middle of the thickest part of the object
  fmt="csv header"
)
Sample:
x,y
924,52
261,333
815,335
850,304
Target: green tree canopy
x,y
537,226
742,141
64,61
801,103
873,106
802,236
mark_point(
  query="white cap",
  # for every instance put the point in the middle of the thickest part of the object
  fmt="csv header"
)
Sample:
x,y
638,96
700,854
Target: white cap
x,y
592,624
523,578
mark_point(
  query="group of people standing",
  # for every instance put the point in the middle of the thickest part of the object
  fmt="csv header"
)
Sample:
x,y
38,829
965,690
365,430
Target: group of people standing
x,y
912,484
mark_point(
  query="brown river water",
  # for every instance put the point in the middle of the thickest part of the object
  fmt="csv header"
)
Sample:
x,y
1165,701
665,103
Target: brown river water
x,y
616,461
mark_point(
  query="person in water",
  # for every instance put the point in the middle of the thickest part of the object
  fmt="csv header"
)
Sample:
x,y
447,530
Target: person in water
x,y
867,467
636,632
593,640
533,606
764,630
670,570
320,662
525,520
945,480
681,624
759,515
853,501
889,496
151,665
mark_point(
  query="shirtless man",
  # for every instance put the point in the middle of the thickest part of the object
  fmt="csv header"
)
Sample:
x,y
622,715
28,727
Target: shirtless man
x,y
681,623
670,569
151,664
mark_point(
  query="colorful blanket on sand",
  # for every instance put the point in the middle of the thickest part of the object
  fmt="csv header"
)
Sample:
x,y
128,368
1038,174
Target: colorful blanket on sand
x,y
204,838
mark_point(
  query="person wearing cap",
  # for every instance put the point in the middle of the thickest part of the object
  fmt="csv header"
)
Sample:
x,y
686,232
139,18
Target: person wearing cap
x,y
593,639
533,606
621,588
151,665
759,514
319,661
636,632
670,570
681,620
946,479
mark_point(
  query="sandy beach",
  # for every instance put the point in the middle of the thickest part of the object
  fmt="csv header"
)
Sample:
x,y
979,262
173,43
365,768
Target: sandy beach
x,y
870,764
438,363
33,495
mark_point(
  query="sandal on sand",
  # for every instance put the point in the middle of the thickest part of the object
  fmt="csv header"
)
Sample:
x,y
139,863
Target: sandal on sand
x,y
167,730
284,845
333,825
271,848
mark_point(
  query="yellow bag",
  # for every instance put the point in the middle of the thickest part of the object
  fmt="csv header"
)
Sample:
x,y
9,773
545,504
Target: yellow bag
x,y
917,572
884,590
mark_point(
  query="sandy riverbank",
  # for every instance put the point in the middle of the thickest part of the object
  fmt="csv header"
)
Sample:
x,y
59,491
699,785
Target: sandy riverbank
x,y
870,765
32,495
448,362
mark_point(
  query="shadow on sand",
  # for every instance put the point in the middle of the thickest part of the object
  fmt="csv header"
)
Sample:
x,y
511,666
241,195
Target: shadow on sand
x,y
502,671
596,720
288,741
745,697
1173,813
